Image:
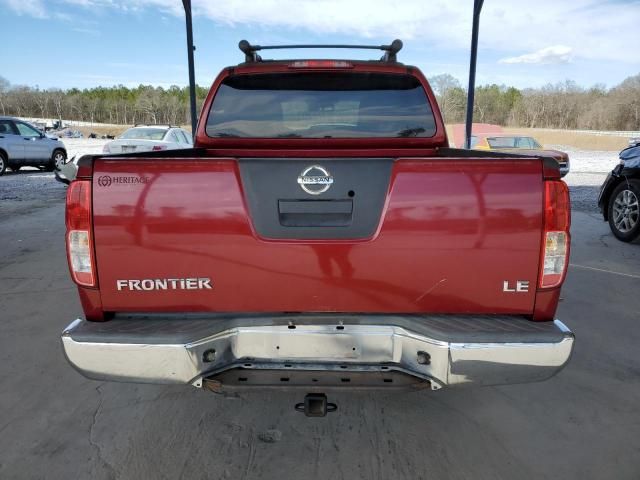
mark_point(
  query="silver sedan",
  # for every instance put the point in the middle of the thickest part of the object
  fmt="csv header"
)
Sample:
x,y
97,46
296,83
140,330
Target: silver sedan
x,y
150,138
138,139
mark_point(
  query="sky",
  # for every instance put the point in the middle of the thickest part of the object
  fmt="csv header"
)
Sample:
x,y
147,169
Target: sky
x,y
88,43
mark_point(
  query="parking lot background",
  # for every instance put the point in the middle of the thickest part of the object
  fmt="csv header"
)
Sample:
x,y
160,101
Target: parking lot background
x,y
582,424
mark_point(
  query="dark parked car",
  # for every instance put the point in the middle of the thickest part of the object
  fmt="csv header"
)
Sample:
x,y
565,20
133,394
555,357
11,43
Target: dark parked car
x,y
619,198
22,145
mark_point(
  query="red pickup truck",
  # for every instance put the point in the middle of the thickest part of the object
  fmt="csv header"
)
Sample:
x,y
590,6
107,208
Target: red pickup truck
x,y
320,235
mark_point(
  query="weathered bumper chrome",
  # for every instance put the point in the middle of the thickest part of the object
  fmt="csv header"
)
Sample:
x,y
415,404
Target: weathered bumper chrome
x,y
437,351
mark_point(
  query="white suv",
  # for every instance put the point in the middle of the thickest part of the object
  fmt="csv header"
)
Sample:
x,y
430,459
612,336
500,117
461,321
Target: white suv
x,y
22,145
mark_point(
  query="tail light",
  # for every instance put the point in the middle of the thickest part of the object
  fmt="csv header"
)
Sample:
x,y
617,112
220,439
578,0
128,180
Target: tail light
x,y
556,238
79,235
157,148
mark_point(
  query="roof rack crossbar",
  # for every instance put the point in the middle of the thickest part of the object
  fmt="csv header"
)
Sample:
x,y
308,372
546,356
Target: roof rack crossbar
x,y
390,54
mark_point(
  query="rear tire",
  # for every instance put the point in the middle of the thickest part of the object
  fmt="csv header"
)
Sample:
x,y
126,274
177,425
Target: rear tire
x,y
624,211
3,163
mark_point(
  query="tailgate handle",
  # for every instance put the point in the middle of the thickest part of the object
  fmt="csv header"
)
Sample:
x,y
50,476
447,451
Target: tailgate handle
x,y
315,213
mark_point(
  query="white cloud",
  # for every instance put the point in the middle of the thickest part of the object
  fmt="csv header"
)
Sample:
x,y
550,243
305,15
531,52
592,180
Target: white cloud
x,y
604,30
32,8
35,9
362,18
594,30
548,55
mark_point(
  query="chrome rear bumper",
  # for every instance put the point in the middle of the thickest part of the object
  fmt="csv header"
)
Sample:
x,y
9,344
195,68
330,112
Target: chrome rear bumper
x,y
434,351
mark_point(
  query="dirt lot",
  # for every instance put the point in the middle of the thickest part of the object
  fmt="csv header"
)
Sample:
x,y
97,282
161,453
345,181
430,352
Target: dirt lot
x,y
54,424
582,140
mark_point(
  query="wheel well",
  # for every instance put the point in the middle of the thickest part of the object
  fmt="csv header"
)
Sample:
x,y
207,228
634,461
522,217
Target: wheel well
x,y
4,154
607,195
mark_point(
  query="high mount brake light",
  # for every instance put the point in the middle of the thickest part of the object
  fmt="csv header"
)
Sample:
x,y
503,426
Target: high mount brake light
x,y
79,235
320,64
556,237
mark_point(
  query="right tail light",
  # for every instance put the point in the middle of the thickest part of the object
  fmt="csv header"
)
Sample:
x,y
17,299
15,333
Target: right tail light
x,y
556,237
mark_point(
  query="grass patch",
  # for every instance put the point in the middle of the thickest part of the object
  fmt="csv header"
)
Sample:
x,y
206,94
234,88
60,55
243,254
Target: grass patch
x,y
582,141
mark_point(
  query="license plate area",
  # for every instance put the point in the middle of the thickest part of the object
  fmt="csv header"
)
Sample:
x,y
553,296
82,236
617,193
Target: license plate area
x,y
349,208
309,344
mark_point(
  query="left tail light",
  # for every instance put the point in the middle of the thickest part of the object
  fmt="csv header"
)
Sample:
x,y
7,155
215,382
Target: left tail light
x,y
79,233
157,148
556,237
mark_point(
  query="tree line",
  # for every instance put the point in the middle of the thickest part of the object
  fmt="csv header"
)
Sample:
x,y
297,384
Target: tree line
x,y
563,105
117,105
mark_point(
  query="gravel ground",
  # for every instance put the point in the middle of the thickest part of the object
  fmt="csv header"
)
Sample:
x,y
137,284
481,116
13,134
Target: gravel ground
x,y
27,190
83,146
582,424
589,168
31,188
21,192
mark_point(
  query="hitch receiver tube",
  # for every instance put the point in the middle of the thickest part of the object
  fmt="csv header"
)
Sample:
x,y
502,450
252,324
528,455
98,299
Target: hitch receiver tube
x,y
316,405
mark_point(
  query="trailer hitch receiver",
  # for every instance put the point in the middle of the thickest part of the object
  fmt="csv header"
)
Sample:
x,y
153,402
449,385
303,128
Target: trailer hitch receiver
x,y
316,405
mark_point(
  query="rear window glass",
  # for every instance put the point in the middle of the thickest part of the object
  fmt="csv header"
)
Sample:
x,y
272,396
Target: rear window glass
x,y
321,105
531,142
502,142
144,133
513,142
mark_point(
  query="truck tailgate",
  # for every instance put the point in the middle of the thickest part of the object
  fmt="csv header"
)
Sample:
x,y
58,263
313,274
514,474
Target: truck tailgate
x,y
388,235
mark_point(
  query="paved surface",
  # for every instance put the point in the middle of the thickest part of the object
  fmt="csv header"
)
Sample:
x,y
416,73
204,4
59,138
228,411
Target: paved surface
x,y
588,171
28,190
54,424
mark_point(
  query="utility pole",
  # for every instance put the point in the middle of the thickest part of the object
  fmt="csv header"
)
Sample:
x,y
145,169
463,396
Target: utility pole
x,y
477,7
192,75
